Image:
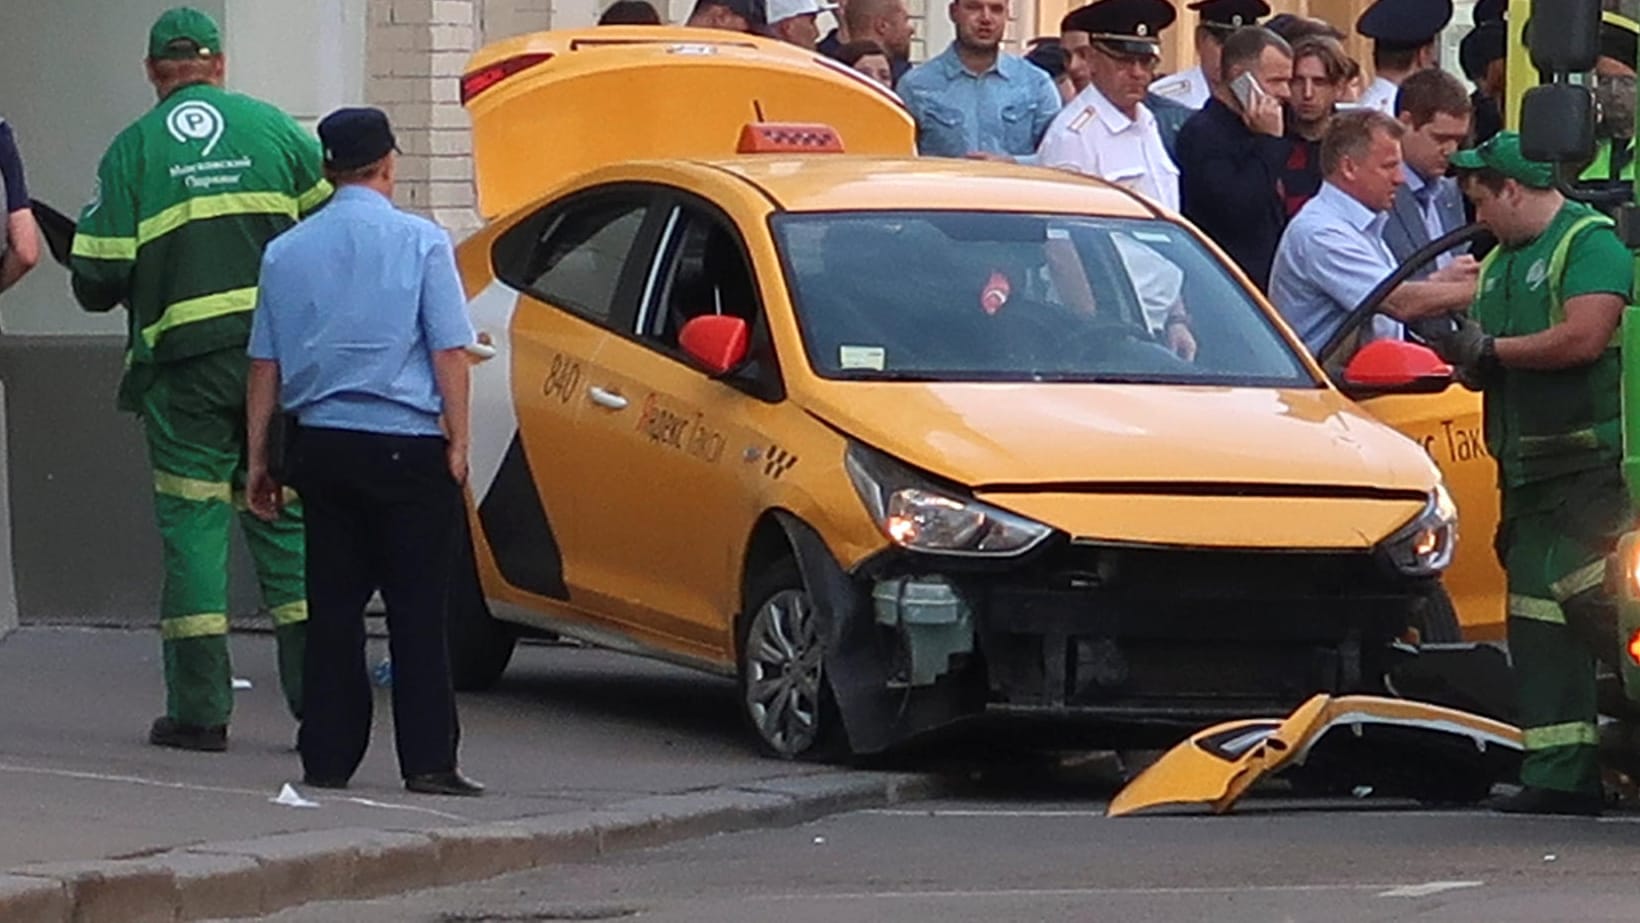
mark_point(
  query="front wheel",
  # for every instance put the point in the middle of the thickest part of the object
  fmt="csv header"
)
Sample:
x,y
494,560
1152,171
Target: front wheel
x,y
784,694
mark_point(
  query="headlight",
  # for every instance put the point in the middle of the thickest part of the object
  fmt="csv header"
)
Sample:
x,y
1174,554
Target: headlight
x,y
1425,547
922,516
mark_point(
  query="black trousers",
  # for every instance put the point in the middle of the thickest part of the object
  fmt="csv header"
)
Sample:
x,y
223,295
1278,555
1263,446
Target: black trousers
x,y
381,512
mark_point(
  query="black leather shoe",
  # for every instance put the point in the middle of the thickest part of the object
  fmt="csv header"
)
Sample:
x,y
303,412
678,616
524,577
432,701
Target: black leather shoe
x,y
324,781
1531,800
443,783
168,732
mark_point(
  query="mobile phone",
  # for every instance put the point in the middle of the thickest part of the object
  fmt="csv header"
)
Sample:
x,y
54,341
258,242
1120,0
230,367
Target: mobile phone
x,y
1245,88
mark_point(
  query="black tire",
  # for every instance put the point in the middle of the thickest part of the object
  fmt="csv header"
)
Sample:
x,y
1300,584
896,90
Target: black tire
x,y
480,645
1440,618
778,597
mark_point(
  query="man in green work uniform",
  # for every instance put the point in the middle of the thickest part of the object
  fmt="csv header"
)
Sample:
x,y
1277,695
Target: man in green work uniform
x,y
187,197
1541,343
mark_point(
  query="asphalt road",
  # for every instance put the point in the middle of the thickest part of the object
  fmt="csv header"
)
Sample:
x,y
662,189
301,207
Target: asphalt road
x,y
1023,852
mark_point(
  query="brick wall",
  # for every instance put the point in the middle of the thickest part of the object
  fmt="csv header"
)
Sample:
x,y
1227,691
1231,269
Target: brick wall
x,y
415,52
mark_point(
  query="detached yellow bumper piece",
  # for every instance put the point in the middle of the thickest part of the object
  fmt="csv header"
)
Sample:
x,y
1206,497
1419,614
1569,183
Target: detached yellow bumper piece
x,y
1396,745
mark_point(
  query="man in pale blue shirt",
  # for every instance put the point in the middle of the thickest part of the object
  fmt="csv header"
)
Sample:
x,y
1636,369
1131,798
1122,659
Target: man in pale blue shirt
x,y
1333,254
361,331
973,99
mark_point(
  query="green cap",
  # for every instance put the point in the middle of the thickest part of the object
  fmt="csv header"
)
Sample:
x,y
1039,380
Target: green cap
x,y
1502,153
184,32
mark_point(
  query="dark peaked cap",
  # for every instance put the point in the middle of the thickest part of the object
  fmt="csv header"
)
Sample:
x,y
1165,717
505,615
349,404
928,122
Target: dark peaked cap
x,y
1132,26
1490,10
1230,14
1405,23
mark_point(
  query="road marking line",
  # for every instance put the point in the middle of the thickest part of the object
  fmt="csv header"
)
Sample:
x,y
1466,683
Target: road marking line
x,y
408,807
213,789
130,780
1074,892
1433,887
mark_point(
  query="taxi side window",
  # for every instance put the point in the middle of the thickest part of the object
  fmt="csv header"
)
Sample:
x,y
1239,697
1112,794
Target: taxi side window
x,y
705,273
579,258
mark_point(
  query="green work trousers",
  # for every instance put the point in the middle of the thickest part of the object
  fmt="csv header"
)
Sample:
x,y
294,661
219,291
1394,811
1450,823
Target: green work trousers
x,y
193,414
1553,542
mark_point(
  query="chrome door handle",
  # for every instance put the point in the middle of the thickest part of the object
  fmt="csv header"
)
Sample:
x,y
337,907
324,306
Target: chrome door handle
x,y
605,398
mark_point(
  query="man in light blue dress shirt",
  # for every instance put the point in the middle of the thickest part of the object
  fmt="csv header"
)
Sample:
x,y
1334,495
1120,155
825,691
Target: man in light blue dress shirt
x,y
974,99
1333,254
361,331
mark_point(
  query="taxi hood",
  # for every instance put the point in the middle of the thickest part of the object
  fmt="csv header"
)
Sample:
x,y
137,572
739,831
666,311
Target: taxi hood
x,y
1197,465
551,106
988,435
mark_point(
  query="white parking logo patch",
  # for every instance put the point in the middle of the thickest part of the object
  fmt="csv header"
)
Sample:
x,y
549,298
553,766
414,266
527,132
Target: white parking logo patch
x,y
196,121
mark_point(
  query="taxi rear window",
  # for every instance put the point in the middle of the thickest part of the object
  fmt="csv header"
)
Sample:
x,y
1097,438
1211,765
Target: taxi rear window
x,y
986,296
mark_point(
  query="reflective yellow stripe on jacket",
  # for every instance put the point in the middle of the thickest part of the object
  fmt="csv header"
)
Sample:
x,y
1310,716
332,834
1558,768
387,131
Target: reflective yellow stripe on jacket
x,y
198,309
215,206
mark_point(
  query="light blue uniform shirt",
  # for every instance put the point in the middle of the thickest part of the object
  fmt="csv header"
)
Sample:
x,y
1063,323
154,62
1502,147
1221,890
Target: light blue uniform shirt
x,y
1002,111
352,303
1330,257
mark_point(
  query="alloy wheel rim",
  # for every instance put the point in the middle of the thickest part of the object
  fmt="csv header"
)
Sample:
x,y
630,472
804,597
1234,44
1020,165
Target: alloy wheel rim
x,y
783,673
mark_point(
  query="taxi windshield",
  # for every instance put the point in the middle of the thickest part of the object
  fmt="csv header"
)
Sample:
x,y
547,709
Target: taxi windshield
x,y
988,296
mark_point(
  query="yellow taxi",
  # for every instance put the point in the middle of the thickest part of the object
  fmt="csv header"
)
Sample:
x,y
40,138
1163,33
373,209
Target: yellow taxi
x,y
898,441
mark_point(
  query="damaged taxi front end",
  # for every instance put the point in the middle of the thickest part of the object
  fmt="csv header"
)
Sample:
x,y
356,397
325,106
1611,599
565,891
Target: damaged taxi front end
x,y
1077,520
1024,601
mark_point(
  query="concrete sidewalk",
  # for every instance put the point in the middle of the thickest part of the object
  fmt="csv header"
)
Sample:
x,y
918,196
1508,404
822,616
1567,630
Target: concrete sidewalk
x,y
584,751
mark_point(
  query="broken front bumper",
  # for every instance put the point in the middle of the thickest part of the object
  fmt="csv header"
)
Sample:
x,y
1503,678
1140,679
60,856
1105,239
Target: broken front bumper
x,y
1143,634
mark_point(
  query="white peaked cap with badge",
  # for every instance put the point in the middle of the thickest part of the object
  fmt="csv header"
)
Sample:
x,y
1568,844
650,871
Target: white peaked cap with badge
x,y
781,10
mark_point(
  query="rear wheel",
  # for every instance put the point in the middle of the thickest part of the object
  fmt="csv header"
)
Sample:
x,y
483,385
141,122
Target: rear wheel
x,y
784,694
480,645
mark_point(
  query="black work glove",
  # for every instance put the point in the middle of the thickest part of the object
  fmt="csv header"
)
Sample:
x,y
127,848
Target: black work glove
x,y
1466,346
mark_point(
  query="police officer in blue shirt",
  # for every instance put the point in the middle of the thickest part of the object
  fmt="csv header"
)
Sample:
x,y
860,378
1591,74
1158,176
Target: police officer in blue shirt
x,y
361,332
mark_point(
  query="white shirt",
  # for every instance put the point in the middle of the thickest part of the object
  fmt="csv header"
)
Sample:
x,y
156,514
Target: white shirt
x,y
1380,95
1330,258
1187,87
1092,136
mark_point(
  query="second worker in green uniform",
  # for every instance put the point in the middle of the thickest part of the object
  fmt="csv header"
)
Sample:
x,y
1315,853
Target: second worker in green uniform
x,y
1542,344
187,198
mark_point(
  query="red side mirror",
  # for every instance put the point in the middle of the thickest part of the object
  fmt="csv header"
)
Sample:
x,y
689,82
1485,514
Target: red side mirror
x,y
716,341
1394,365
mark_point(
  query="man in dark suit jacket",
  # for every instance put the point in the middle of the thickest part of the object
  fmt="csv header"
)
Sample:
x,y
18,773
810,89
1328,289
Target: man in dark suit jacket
x,y
1437,112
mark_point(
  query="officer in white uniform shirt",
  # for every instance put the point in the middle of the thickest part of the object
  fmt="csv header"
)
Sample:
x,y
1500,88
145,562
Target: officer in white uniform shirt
x,y
1404,37
1106,131
1219,18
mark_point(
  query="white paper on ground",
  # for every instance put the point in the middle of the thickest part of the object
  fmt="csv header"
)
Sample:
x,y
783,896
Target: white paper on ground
x,y
291,798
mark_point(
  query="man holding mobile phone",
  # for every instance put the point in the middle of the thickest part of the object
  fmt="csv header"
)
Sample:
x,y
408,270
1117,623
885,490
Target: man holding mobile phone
x,y
1233,152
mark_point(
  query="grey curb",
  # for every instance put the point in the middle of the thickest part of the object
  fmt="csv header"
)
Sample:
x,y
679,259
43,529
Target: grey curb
x,y
266,874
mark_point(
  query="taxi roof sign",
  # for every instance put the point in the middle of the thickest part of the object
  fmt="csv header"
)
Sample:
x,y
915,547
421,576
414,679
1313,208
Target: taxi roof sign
x,y
789,138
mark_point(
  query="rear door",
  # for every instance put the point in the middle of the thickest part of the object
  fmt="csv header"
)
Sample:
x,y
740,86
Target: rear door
x,y
577,267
